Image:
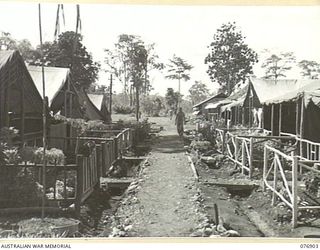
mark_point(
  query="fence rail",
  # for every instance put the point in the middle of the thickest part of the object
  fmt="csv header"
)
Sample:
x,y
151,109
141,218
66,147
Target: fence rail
x,y
88,168
284,187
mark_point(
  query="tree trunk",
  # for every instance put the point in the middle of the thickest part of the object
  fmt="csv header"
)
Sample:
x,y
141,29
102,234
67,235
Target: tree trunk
x,y
137,104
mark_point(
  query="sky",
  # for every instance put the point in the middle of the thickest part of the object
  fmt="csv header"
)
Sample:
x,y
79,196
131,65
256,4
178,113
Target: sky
x,y
185,31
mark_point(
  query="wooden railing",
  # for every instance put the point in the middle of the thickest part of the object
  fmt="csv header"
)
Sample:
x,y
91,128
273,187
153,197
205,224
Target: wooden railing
x,y
87,177
284,187
239,150
87,170
55,175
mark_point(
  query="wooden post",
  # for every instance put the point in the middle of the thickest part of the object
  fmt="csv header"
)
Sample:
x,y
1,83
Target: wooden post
x,y
297,117
280,117
249,111
250,158
265,166
302,124
294,190
223,141
236,150
243,111
99,160
243,161
272,119
275,180
216,213
103,159
79,190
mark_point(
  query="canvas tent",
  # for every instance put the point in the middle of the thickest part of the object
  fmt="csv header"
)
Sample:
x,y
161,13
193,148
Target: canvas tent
x,y
91,112
100,101
20,102
297,110
201,107
241,104
62,96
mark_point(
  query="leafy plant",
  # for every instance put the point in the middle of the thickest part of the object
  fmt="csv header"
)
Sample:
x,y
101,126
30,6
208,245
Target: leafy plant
x,y
121,109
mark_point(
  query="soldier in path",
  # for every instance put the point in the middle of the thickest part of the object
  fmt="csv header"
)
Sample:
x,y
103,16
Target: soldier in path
x,y
180,121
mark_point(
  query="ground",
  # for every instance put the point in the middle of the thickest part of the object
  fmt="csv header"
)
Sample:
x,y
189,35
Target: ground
x,y
167,199
165,203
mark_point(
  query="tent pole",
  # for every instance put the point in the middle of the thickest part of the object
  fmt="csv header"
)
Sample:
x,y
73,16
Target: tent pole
x,y
44,123
280,117
301,123
272,119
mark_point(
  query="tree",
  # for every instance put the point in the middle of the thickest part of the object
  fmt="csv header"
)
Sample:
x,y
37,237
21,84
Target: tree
x,y
172,99
309,69
118,61
178,69
68,51
7,42
230,60
277,64
198,92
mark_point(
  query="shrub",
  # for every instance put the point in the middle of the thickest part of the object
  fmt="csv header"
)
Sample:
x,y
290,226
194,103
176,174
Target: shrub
x,y
122,109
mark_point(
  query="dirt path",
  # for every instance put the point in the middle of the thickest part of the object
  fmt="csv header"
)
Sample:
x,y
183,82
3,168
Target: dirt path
x,y
166,203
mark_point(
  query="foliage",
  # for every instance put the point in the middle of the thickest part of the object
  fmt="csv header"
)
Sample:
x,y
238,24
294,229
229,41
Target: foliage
x,y
172,99
122,109
69,52
152,105
198,92
312,182
201,146
122,60
81,125
178,69
53,156
277,64
230,60
310,69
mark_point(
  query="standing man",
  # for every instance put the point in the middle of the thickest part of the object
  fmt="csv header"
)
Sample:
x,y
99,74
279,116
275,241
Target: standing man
x,y
180,121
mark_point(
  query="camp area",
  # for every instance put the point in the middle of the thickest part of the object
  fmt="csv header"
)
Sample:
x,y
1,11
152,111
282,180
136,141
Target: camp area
x,y
180,122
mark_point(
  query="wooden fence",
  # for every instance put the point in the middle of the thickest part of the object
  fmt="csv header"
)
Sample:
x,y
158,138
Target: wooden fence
x,y
239,150
286,187
87,169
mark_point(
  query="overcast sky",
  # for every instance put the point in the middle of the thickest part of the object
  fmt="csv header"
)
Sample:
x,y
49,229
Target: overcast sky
x,y
182,30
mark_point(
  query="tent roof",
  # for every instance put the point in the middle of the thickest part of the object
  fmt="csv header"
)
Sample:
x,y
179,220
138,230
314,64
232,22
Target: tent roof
x,y
91,111
310,88
96,99
220,95
217,104
6,56
268,90
55,79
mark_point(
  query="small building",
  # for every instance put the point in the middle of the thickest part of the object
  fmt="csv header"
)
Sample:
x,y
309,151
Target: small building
x,y
101,102
20,102
203,108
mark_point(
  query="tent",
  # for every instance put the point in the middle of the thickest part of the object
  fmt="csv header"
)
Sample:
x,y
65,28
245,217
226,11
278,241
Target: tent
x,y
62,95
201,106
91,112
20,102
240,106
297,110
100,101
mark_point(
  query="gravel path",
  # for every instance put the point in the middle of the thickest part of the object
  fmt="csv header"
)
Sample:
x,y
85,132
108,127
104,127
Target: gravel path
x,y
166,201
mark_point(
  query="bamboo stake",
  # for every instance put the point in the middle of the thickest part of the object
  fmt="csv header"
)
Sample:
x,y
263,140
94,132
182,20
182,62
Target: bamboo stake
x,y
265,166
280,117
272,119
44,122
294,190
275,179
